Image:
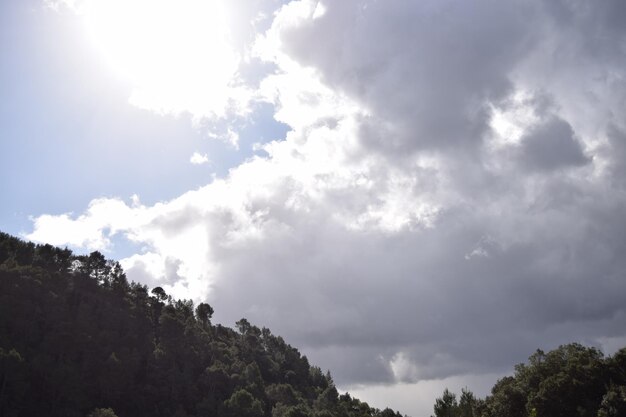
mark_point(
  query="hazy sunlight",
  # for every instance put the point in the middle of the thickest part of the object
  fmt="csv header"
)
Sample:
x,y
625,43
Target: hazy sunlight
x,y
176,53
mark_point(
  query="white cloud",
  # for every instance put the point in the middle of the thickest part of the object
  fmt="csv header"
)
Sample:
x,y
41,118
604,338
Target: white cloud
x,y
92,230
58,4
199,159
176,56
402,368
228,136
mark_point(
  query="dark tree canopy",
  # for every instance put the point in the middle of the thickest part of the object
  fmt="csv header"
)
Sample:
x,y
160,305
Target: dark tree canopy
x,y
77,339
572,380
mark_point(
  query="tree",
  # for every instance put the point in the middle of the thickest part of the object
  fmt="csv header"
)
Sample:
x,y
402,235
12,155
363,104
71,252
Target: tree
x,y
281,410
243,326
243,404
327,399
204,312
11,366
97,266
467,404
159,293
506,399
118,277
446,406
102,412
613,402
388,412
283,394
568,381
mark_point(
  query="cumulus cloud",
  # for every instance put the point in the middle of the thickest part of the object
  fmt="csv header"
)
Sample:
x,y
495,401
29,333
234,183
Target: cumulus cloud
x,y
92,229
228,136
198,159
450,196
425,73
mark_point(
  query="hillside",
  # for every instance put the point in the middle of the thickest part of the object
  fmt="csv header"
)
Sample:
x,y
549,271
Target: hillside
x,y
570,381
77,339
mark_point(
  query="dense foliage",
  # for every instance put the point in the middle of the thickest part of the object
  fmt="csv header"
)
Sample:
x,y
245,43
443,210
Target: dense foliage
x,y
77,339
571,381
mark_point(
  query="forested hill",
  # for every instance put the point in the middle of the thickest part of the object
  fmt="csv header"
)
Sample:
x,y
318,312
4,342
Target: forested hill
x,y
77,339
570,381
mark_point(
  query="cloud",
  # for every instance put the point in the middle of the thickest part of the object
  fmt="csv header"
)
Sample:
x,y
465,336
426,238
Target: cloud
x,y
176,57
551,145
424,73
615,154
229,136
199,159
103,219
417,399
449,198
151,269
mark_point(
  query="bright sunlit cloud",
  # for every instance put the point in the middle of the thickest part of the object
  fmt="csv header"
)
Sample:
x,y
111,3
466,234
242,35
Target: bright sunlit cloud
x,y
198,159
177,55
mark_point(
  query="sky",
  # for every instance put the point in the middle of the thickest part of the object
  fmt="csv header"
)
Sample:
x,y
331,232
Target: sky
x,y
417,195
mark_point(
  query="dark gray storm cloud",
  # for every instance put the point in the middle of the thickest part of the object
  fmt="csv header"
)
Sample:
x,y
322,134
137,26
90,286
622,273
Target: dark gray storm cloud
x,y
528,249
451,301
426,71
550,146
616,153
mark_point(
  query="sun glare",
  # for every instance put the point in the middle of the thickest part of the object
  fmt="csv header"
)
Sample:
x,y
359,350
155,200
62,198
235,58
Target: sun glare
x,y
176,54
